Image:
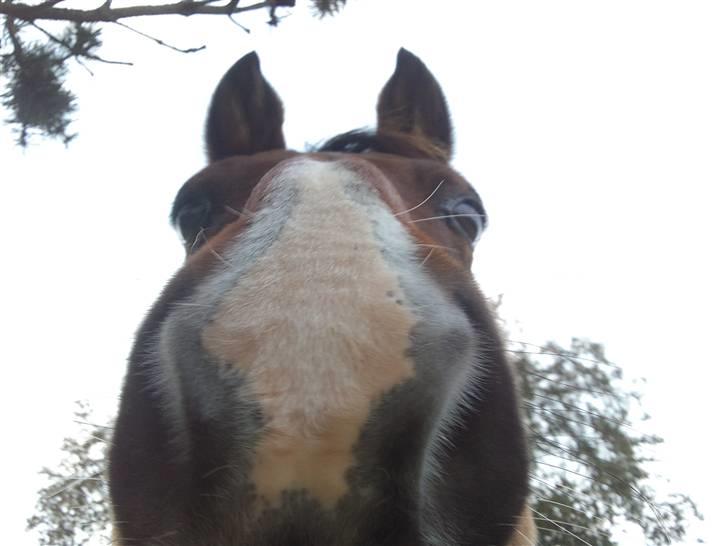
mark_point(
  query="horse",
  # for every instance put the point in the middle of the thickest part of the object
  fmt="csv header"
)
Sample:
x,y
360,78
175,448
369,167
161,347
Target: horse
x,y
323,370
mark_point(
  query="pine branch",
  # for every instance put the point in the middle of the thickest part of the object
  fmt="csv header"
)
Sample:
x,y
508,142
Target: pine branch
x,y
72,52
33,72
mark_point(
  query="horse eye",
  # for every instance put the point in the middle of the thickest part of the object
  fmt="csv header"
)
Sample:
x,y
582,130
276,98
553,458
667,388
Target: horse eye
x,y
467,217
191,218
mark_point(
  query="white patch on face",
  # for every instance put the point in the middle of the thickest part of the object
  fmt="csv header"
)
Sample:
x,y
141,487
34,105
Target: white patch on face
x,y
318,325
318,305
321,305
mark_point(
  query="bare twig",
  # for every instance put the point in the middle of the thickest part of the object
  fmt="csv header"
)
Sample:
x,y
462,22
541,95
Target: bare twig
x,y
247,30
160,42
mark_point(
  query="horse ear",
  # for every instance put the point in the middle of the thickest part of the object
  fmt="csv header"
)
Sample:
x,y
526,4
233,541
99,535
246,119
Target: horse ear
x,y
412,103
246,115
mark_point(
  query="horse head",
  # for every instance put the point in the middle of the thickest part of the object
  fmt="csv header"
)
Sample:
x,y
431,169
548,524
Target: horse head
x,y
323,369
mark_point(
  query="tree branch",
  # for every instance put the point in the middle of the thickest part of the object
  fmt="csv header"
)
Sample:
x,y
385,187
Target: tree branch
x,y
160,42
34,91
247,30
87,55
106,14
12,31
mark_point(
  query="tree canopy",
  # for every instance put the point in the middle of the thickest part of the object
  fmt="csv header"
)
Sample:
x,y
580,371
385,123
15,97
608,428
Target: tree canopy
x,y
38,40
74,509
590,473
589,478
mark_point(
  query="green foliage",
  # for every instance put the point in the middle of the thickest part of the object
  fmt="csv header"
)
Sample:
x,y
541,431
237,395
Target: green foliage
x,y
35,73
35,95
73,508
589,478
328,7
590,474
34,61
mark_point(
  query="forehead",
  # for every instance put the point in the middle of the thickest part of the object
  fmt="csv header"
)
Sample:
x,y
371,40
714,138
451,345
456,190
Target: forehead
x,y
233,179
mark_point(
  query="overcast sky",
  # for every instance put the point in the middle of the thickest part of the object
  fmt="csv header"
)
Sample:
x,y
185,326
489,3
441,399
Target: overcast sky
x,y
596,133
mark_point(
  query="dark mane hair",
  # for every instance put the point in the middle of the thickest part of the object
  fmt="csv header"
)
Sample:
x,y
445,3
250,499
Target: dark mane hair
x,y
360,141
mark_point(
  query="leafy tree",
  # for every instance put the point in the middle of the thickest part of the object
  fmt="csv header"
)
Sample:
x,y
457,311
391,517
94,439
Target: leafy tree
x,y
589,477
73,509
590,473
34,57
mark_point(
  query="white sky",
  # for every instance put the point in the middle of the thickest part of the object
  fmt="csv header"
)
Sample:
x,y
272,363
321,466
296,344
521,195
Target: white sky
x,y
596,132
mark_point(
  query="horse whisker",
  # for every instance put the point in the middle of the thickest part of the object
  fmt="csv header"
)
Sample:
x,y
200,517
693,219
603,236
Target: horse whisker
x,y
74,483
640,495
244,214
541,528
191,304
423,245
564,355
446,216
562,522
582,410
569,385
599,531
558,486
212,250
422,202
517,530
546,518
427,257
92,424
217,255
564,418
526,537
92,478
200,234
215,470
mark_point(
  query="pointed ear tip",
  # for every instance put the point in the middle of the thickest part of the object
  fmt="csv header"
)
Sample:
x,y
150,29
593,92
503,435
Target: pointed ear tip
x,y
249,59
406,57
404,54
